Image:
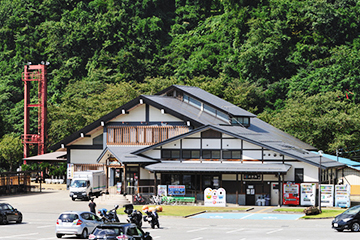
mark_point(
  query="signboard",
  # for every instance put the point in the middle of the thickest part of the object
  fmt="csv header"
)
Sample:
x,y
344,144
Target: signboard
x,y
342,196
327,195
70,171
215,197
291,194
175,190
307,194
162,190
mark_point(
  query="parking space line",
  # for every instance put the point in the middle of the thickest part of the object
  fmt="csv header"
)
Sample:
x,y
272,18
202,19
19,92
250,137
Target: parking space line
x,y
196,230
20,235
274,231
247,216
197,238
236,230
45,226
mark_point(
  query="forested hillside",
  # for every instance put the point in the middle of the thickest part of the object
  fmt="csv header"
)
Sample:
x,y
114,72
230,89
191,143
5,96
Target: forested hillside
x,y
293,63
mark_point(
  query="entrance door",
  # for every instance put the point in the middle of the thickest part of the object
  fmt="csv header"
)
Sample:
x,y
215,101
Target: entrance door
x,y
250,194
132,180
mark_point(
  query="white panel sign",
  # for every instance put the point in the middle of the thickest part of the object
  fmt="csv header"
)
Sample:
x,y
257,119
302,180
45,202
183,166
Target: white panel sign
x,y
215,197
70,171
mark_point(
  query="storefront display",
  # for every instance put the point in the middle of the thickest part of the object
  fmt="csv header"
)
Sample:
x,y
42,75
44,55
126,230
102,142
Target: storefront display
x,y
342,196
291,194
307,194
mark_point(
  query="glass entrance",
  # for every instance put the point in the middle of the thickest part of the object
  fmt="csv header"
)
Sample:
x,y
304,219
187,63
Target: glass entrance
x,y
132,180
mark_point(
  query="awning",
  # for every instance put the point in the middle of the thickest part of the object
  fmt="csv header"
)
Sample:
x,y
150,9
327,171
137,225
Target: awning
x,y
54,156
224,167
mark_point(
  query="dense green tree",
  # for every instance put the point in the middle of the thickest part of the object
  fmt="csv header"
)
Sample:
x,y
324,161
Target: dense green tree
x,y
11,150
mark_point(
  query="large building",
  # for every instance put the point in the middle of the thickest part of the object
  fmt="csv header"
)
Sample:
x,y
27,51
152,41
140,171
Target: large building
x,y
186,136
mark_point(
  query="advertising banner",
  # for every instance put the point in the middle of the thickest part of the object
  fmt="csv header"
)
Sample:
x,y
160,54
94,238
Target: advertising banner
x,y
215,197
327,195
342,196
307,194
291,194
176,190
162,190
70,171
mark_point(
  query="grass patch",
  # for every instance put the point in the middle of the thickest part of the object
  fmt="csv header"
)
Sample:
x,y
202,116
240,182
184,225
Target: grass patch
x,y
326,213
182,211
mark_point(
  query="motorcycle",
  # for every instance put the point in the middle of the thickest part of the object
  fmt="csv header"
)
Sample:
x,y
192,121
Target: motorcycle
x,y
109,216
139,199
152,218
134,216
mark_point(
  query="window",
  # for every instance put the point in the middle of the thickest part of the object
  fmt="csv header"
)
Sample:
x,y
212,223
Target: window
x,y
188,154
231,154
170,154
299,175
222,115
245,121
195,102
210,110
214,154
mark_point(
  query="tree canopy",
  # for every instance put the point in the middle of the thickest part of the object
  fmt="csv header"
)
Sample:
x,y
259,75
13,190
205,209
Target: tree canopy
x,y
256,54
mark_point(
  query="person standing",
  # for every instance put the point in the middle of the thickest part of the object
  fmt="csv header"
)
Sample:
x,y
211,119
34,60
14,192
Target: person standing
x,y
92,206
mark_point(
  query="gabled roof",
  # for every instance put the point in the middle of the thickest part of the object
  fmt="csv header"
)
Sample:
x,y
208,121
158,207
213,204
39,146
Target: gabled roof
x,y
259,139
123,155
210,99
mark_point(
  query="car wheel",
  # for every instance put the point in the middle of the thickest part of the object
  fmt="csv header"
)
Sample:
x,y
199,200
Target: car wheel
x,y
73,199
355,227
340,230
3,220
19,219
59,235
84,234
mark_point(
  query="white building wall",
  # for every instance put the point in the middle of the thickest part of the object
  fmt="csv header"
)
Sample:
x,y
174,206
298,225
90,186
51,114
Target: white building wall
x,y
252,155
137,114
271,155
211,143
231,143
350,176
88,140
145,174
155,115
84,156
155,154
310,172
172,145
191,143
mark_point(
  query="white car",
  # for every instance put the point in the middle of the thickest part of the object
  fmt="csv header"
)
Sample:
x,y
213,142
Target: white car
x,y
78,223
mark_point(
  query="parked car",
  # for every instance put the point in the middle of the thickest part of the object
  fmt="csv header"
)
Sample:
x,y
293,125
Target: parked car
x,y
350,219
78,223
115,231
8,214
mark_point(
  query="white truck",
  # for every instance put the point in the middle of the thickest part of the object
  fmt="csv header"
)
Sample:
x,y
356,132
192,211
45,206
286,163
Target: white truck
x,y
87,184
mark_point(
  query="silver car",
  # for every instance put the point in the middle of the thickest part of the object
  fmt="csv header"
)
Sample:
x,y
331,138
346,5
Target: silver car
x,y
78,223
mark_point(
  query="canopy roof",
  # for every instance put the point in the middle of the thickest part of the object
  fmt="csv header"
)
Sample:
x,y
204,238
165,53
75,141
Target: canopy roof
x,y
54,156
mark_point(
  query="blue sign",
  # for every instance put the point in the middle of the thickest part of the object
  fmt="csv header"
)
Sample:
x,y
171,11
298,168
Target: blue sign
x,y
176,190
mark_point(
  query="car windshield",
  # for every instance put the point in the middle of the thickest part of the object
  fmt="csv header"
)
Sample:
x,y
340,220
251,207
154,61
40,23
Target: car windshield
x,y
101,231
68,217
78,183
353,210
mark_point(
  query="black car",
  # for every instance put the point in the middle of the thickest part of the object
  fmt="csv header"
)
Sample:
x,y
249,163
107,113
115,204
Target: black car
x,y
350,219
8,214
115,231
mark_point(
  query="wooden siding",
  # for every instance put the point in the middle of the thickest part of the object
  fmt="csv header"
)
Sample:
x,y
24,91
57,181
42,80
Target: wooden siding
x,y
142,135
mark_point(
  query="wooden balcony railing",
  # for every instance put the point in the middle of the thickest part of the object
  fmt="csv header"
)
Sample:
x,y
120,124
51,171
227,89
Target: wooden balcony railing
x,y
142,135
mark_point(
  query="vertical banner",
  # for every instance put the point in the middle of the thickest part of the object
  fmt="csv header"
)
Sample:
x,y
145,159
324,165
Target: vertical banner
x,y
70,171
215,197
342,196
327,195
162,190
307,194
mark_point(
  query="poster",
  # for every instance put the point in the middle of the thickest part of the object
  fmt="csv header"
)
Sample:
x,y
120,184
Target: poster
x,y
70,171
215,197
342,196
291,194
307,194
176,190
162,190
327,195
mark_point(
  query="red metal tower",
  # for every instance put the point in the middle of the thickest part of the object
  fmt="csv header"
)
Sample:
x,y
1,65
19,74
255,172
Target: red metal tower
x,y
35,73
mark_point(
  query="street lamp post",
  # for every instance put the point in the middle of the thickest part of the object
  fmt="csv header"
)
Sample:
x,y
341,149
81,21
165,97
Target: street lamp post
x,y
320,154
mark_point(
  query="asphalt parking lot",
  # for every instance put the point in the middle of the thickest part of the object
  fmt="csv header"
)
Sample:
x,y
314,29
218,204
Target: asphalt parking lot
x,y
41,210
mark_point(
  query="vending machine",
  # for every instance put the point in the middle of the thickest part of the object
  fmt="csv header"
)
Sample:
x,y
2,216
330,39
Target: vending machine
x,y
342,196
291,194
327,195
307,194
